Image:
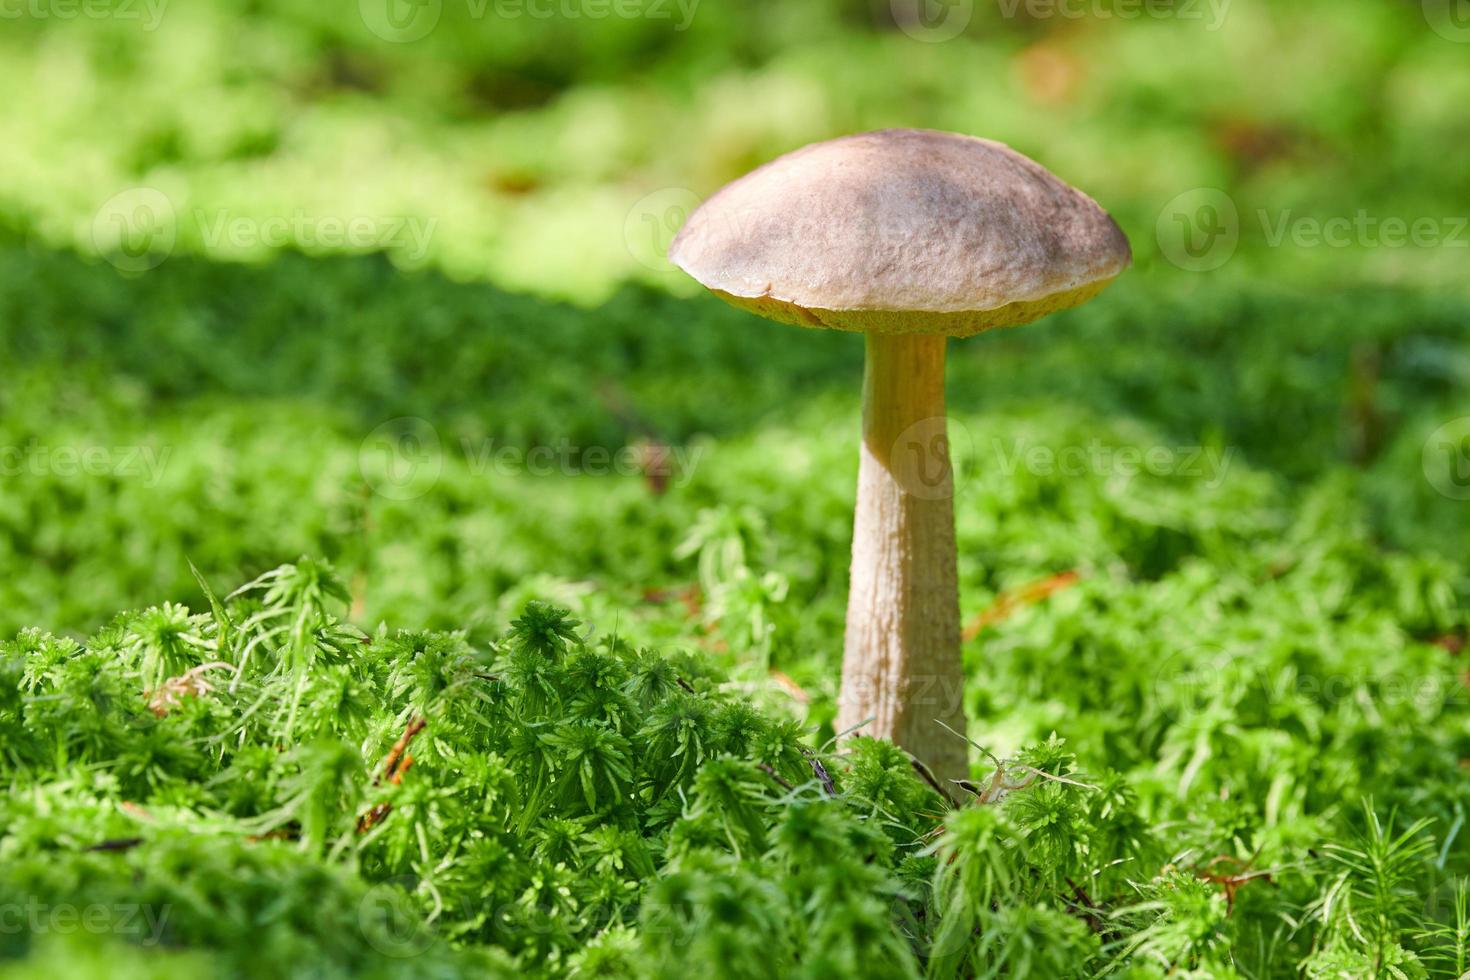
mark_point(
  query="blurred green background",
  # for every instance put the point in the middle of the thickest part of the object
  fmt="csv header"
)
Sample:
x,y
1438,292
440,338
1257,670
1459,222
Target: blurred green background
x,y
284,278
527,132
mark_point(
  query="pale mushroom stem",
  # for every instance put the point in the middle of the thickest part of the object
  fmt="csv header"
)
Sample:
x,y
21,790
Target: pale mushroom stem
x,y
901,663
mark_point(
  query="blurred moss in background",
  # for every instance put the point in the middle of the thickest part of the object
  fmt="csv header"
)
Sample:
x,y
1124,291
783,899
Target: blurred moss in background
x,y
551,144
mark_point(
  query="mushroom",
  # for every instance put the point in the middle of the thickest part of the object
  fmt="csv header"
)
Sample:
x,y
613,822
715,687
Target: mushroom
x,y
909,237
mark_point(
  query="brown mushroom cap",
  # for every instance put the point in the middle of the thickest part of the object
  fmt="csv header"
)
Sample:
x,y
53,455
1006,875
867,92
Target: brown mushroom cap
x,y
902,231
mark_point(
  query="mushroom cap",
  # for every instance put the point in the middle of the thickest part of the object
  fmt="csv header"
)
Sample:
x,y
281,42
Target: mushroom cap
x,y
902,231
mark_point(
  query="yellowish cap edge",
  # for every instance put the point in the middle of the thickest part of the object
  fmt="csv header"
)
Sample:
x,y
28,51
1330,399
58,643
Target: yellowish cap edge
x,y
958,323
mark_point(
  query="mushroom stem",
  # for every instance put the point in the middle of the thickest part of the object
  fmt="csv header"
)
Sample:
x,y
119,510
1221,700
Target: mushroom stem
x,y
901,663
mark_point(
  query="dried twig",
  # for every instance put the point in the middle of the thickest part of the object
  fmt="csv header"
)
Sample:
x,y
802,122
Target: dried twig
x,y
1001,783
1094,913
394,766
1009,601
655,459
1233,882
774,775
797,692
191,683
928,777
820,770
